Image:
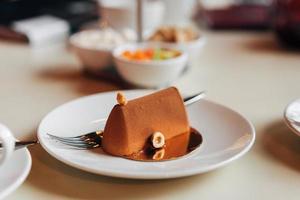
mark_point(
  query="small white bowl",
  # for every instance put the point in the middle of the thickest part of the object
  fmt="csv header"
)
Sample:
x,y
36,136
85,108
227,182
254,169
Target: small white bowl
x,y
149,74
93,58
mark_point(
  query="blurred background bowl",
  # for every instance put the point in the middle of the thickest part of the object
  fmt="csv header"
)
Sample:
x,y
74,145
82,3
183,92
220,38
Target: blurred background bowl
x,y
93,58
94,47
149,74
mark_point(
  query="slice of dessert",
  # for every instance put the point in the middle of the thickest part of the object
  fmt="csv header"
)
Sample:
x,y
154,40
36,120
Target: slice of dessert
x,y
131,124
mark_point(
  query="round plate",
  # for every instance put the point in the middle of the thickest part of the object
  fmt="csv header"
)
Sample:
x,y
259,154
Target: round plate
x,y
292,116
14,172
226,136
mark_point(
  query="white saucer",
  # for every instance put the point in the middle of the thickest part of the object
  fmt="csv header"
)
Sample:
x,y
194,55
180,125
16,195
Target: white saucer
x,y
14,172
292,116
226,136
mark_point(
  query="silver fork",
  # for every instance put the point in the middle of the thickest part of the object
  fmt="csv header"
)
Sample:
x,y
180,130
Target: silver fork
x,y
22,144
93,139
86,141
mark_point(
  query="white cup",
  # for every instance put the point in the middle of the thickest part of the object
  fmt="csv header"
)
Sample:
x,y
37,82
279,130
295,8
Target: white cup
x,y
121,14
8,144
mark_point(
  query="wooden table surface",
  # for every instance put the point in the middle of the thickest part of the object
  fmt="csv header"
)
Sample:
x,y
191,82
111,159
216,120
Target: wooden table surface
x,y
246,71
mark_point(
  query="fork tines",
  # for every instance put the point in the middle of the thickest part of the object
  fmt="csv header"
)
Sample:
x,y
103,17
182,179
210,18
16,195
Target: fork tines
x,y
86,141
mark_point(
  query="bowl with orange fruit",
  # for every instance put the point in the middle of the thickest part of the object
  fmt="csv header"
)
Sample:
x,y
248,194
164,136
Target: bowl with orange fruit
x,y
149,65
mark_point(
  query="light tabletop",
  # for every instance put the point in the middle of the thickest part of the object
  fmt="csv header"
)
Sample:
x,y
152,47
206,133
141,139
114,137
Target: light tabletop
x,y
246,71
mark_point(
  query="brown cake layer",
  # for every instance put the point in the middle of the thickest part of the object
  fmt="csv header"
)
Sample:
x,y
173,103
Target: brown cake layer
x,y
129,126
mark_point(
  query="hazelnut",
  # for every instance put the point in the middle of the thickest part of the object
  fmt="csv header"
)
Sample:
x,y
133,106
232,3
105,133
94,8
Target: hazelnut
x,y
157,140
121,99
159,154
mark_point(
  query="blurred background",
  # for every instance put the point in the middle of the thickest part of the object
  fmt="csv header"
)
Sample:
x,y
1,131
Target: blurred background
x,y
69,16
93,29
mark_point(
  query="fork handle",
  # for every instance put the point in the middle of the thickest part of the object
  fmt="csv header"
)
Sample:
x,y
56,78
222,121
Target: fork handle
x,y
194,98
22,144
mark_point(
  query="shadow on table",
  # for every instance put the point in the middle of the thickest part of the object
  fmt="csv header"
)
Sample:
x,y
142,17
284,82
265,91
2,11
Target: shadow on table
x,y
84,82
265,44
280,142
52,176
269,45
87,82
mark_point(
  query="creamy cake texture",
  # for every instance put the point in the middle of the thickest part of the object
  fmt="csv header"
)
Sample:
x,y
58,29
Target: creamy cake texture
x,y
131,124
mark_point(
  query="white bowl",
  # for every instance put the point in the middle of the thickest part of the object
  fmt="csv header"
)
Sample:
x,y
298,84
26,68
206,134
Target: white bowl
x,y
149,74
93,58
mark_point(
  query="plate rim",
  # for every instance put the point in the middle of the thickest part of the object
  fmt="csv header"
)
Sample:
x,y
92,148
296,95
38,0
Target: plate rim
x,y
20,180
287,121
148,176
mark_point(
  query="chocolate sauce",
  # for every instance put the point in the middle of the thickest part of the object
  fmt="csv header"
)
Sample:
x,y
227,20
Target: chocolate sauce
x,y
175,147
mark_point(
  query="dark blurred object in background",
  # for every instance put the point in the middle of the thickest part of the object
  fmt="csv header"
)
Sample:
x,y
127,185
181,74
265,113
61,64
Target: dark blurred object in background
x,y
241,14
287,21
75,12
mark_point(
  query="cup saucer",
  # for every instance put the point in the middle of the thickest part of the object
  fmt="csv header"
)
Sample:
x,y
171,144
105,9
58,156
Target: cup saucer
x,y
14,172
292,116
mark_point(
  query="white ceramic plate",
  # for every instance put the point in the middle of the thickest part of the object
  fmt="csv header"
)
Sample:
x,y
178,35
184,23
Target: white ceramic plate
x,y
226,136
14,172
292,116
